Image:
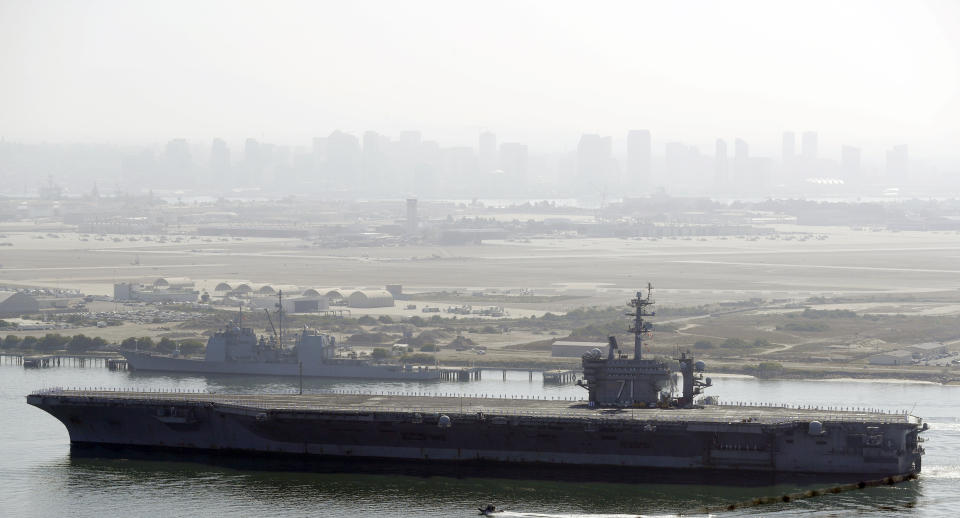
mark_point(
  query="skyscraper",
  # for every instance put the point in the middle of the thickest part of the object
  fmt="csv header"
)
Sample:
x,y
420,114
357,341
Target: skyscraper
x,y
789,147
513,161
374,162
487,152
343,156
594,157
808,146
219,160
741,160
850,162
721,165
176,158
638,157
898,163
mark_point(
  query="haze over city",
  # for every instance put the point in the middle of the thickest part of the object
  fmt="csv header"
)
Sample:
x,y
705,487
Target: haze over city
x,y
522,258
866,75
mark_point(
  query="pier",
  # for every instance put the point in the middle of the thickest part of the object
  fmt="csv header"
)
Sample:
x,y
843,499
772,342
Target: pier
x,y
460,374
559,376
64,360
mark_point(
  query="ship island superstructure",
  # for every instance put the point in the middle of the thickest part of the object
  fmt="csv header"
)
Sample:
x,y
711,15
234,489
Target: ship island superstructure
x,y
640,426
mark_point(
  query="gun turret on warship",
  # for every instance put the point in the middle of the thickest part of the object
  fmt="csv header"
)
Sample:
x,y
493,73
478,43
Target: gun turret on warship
x,y
237,350
632,419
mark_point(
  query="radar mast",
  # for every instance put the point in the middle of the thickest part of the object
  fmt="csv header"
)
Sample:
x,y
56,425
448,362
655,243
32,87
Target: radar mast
x,y
639,327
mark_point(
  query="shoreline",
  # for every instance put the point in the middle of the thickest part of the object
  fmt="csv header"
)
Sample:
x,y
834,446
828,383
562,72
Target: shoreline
x,y
792,373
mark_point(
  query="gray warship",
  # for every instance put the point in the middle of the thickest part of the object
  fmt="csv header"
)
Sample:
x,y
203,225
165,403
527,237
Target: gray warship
x,y
237,350
639,413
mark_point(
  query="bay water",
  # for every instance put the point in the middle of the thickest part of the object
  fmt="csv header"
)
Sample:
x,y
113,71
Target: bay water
x,y
41,476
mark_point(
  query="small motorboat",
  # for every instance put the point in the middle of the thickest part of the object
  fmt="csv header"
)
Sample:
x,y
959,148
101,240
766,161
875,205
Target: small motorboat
x,y
489,510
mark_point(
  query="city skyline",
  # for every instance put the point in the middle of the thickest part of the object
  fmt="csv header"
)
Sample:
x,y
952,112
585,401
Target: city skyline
x,y
867,74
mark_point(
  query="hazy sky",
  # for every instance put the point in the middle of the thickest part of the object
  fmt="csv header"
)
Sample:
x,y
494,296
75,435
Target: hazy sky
x,y
864,72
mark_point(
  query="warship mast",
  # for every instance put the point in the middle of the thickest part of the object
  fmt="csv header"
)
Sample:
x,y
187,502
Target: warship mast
x,y
639,327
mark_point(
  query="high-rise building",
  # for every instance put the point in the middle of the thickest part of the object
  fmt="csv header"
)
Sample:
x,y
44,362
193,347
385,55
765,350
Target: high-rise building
x,y
176,158
638,157
850,162
741,160
594,157
487,152
721,164
219,159
808,145
374,161
789,147
513,161
343,156
898,163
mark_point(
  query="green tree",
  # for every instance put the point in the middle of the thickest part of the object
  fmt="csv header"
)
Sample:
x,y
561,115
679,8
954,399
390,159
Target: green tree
x,y
366,320
703,344
379,353
52,342
145,343
80,344
29,342
166,345
11,342
129,344
417,321
385,319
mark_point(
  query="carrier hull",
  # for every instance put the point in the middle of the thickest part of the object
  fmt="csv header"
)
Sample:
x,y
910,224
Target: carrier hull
x,y
476,430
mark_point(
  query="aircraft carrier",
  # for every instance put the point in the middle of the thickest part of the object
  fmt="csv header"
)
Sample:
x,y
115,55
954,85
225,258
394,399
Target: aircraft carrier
x,y
629,419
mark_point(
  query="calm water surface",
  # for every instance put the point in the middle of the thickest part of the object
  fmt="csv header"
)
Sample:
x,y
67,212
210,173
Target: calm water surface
x,y
39,476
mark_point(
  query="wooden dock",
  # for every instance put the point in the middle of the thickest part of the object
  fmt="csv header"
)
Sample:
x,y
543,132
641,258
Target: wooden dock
x,y
559,376
460,373
44,361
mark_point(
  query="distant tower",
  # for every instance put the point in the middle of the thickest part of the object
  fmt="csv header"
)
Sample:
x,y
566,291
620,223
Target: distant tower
x,y
219,159
898,162
594,157
513,162
638,157
741,160
850,162
176,158
487,152
721,165
413,221
808,146
789,147
252,160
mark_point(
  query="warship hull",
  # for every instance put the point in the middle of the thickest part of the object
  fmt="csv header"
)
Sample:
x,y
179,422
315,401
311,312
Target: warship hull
x,y
147,362
541,432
